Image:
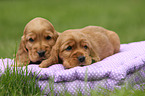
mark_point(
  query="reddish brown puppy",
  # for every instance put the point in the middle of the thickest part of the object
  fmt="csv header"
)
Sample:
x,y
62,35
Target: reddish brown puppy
x,y
36,43
78,47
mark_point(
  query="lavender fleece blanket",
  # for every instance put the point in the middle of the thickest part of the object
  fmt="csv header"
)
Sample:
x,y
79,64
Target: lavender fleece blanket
x,y
111,72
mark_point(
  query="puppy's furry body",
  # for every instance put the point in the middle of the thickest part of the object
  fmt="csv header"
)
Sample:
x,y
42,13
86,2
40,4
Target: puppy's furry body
x,y
38,38
77,47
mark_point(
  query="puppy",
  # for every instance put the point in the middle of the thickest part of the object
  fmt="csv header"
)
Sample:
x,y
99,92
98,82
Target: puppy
x,y
79,47
36,43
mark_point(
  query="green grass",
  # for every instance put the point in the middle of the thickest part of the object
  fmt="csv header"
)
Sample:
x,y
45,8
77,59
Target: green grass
x,y
16,83
125,17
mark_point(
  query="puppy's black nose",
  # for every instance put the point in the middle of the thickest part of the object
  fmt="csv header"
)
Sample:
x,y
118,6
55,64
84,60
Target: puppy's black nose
x,y
81,58
41,53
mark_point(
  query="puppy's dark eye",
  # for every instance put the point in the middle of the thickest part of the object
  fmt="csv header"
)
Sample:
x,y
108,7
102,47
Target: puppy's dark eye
x,y
86,47
48,37
69,48
31,40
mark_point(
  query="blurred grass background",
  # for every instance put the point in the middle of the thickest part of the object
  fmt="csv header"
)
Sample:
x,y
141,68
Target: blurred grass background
x,y
125,17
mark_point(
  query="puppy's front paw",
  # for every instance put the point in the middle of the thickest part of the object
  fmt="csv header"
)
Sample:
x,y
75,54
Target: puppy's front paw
x,y
43,64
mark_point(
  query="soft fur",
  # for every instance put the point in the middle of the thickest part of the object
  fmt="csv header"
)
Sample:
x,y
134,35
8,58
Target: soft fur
x,y
93,43
39,36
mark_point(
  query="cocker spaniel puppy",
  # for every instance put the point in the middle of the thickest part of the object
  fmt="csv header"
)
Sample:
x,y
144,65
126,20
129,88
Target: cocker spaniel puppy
x,y
36,43
79,47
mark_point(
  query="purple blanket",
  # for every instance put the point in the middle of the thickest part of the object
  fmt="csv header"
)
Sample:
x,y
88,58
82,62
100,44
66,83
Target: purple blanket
x,y
111,72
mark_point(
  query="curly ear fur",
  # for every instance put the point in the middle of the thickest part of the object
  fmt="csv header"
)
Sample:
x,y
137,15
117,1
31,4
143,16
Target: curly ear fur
x,y
53,59
22,54
94,55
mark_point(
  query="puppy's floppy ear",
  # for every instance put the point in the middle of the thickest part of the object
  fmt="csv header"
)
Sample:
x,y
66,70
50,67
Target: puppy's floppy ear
x,y
94,55
56,34
53,59
54,54
22,54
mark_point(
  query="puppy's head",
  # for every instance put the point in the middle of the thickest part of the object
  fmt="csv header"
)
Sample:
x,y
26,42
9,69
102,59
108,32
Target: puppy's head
x,y
38,38
73,48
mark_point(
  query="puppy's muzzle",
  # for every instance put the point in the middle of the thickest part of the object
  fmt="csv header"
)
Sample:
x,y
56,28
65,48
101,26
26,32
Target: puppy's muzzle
x,y
81,58
41,53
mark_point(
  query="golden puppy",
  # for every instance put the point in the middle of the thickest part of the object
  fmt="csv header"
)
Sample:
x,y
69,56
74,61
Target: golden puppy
x,y
78,47
36,43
